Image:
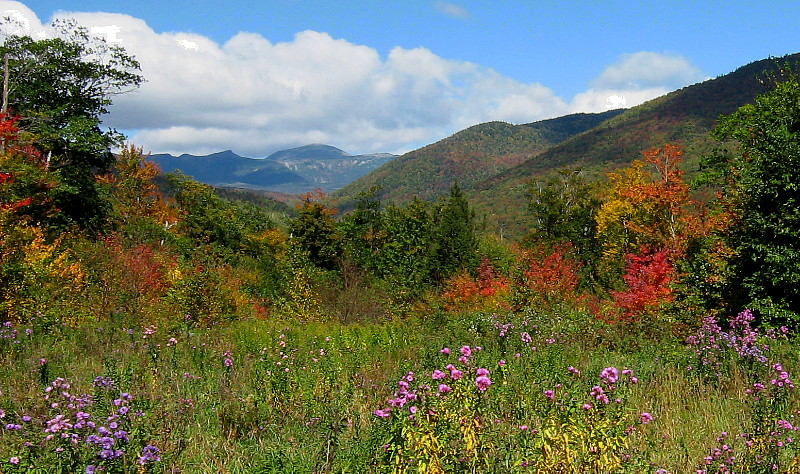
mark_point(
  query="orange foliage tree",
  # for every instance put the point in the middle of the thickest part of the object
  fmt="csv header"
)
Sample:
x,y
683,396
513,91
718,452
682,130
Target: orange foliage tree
x,y
134,193
488,292
650,220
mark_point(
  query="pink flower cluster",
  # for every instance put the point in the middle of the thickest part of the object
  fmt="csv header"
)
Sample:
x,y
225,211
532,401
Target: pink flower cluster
x,y
406,394
782,379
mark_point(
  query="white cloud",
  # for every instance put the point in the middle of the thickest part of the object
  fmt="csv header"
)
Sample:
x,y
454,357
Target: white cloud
x,y
647,70
452,10
256,97
636,78
18,19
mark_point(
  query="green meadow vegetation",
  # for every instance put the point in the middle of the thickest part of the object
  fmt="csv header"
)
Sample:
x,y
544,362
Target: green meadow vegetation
x,y
153,324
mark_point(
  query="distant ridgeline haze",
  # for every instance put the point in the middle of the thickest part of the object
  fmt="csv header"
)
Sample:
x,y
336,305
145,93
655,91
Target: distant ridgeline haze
x,y
294,171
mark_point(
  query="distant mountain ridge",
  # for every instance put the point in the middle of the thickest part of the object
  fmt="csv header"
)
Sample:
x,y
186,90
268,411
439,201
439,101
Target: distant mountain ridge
x,y
294,171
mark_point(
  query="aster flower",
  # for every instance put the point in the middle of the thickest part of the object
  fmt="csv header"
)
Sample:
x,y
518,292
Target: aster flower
x,y
483,382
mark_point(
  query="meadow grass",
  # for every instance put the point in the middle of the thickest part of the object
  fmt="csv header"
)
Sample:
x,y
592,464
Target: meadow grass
x,y
268,395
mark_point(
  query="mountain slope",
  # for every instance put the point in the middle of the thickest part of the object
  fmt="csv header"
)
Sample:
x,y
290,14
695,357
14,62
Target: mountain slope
x,y
469,157
685,117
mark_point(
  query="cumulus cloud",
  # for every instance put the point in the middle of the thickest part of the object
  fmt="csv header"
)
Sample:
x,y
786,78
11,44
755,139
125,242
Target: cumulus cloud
x,y
255,96
18,19
636,78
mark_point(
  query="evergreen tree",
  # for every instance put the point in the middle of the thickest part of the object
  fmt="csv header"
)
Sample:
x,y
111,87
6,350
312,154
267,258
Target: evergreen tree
x,y
314,231
404,259
455,243
362,230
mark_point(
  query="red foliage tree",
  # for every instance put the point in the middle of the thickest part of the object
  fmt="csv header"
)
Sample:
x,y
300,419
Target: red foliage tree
x,y
548,276
648,276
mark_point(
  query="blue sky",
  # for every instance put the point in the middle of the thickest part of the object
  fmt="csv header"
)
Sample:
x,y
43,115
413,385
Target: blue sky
x,y
258,76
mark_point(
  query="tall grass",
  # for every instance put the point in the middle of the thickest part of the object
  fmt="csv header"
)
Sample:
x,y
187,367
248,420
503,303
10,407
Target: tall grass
x,y
283,396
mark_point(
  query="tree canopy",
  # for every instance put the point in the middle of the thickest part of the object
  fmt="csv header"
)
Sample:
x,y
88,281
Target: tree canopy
x,y
60,87
764,172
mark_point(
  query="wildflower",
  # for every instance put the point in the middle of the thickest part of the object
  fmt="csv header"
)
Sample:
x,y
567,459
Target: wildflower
x,y
646,418
445,351
524,428
483,382
501,362
14,460
550,394
786,425
454,372
466,351
103,382
149,454
482,372
444,388
609,375
587,406
383,413
574,370
438,374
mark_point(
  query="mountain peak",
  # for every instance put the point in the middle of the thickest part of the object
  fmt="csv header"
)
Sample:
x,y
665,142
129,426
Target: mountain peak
x,y
315,151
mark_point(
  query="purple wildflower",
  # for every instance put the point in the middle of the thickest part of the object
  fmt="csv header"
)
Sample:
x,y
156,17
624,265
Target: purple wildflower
x,y
483,382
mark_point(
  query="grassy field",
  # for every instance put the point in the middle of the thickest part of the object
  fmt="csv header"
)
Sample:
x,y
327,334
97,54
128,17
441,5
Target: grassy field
x,y
526,392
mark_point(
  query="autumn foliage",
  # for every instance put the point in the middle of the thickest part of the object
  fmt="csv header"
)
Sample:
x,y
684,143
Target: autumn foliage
x,y
648,277
489,291
547,276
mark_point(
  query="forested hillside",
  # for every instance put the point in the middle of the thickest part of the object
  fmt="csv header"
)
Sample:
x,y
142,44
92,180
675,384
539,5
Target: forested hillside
x,y
499,192
468,157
